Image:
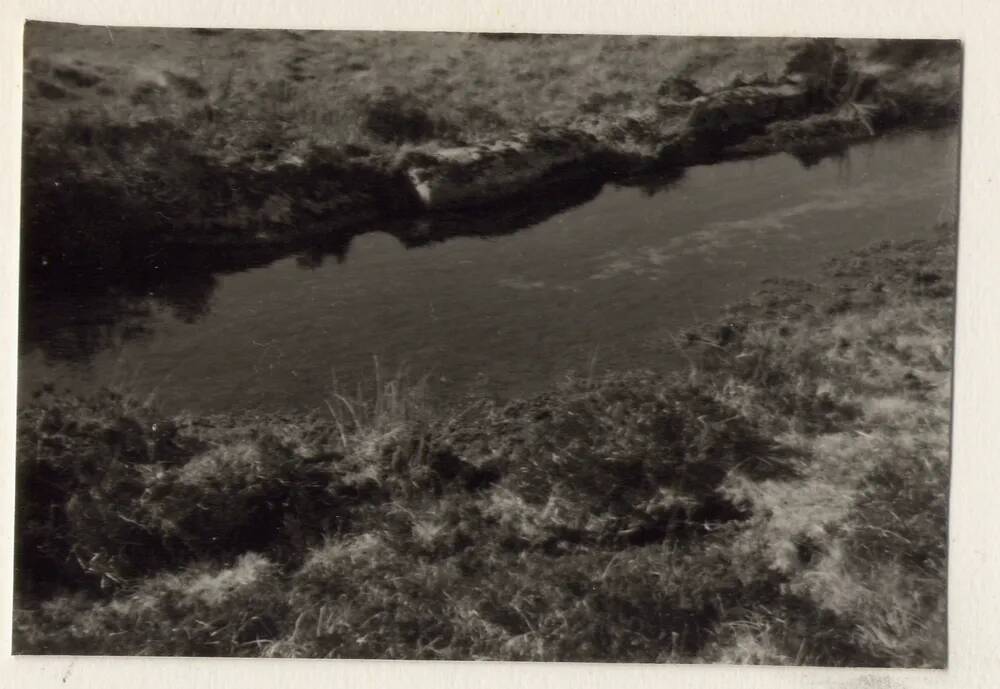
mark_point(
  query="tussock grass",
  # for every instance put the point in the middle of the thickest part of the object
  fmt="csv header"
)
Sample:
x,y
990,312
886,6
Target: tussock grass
x,y
784,501
393,403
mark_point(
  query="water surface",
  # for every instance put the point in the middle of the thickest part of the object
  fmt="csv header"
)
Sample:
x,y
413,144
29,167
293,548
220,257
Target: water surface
x,y
603,285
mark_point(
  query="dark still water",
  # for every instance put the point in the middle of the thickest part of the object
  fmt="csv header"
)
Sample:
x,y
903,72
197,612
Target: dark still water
x,y
604,284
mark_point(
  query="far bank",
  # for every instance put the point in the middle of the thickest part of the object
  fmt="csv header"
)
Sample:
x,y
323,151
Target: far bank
x,y
122,161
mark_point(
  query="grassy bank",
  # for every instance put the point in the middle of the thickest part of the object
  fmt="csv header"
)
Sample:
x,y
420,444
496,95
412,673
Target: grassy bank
x,y
141,139
782,501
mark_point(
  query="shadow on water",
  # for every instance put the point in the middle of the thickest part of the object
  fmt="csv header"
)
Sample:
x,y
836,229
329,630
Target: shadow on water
x,y
653,183
72,315
811,156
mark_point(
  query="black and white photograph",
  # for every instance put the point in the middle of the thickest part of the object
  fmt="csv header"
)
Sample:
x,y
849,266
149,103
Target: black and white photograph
x,y
452,346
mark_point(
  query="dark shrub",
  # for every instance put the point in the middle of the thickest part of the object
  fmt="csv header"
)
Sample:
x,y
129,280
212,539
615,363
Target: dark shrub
x,y
398,118
679,89
76,77
49,90
598,102
824,65
906,52
188,86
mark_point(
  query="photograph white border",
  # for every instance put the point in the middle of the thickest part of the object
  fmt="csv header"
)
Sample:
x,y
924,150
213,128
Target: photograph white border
x,y
974,558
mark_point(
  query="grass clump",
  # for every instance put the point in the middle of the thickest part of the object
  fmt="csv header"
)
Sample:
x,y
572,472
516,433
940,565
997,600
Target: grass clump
x,y
235,607
120,493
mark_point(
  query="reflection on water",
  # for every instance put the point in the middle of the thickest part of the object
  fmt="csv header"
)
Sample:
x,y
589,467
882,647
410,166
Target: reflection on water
x,y
74,321
501,302
811,156
73,317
